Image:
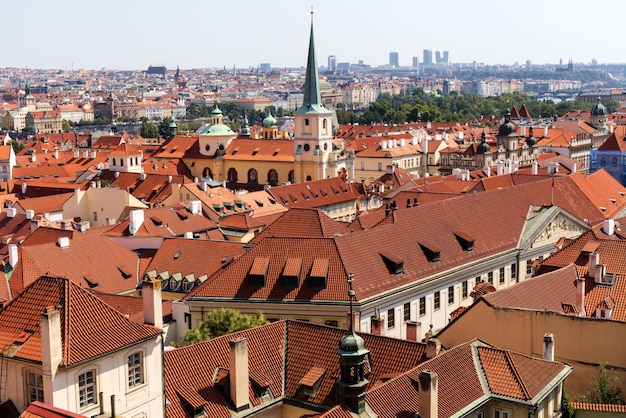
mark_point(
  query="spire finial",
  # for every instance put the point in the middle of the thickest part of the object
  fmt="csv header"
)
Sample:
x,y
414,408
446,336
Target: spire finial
x,y
312,10
351,295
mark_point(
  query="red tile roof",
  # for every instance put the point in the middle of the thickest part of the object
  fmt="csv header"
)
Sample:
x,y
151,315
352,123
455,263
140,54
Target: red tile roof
x,y
600,407
42,410
314,194
89,327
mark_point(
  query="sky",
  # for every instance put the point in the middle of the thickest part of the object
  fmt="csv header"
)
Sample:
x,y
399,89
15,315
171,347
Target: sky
x,y
133,34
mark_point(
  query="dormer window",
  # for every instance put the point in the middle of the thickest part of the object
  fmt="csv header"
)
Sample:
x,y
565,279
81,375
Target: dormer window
x,y
432,252
319,273
257,275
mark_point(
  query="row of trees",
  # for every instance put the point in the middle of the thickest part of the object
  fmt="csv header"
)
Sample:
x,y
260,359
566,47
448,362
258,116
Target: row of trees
x,y
418,105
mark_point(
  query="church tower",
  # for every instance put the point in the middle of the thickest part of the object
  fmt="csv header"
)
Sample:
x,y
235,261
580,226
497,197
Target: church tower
x,y
313,139
507,139
354,364
599,117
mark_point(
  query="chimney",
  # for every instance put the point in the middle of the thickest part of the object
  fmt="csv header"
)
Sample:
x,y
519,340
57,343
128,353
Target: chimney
x,y
136,220
76,153
50,326
390,168
85,154
142,176
428,396
548,347
195,207
30,214
239,373
413,330
11,212
93,154
522,130
377,327
33,157
535,168
433,346
545,131
13,255
152,308
189,235
56,154
64,242
574,168
24,187
580,296
487,171
608,226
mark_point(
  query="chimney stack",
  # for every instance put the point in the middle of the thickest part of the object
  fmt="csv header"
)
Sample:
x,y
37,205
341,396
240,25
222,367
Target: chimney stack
x,y
433,346
580,296
413,330
136,220
239,373
428,395
50,326
608,226
377,327
535,168
152,307
13,255
548,347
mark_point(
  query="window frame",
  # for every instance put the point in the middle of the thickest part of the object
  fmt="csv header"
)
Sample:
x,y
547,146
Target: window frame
x,y
437,300
450,295
35,387
391,318
422,306
407,311
464,289
490,277
135,370
502,277
88,388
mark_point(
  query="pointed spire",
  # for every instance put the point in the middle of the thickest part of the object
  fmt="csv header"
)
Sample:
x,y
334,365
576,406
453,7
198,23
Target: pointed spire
x,y
312,95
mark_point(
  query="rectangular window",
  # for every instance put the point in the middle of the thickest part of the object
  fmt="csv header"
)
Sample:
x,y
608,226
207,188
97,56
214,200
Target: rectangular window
x,y
450,295
529,267
331,323
499,413
501,278
135,370
407,311
437,300
478,279
490,277
513,272
391,318
464,289
422,306
380,166
87,389
35,387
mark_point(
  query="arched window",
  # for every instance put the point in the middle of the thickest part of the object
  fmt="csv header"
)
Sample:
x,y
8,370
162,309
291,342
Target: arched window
x,y
272,177
292,177
614,162
232,175
253,176
114,161
602,162
122,162
207,173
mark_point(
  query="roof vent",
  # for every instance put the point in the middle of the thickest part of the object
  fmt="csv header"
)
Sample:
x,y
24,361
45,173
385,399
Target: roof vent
x,y
30,214
64,242
11,212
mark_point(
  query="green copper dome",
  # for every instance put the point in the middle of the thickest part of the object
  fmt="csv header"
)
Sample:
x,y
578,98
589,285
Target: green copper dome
x,y
352,343
269,121
216,111
218,130
598,109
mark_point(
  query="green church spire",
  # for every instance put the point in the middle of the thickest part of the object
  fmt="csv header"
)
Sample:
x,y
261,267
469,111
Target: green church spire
x,y
312,97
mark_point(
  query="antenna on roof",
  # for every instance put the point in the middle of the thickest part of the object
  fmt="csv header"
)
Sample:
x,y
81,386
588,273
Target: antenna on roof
x,y
351,295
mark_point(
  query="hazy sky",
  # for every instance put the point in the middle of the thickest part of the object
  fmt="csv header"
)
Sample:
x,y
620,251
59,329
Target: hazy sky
x,y
133,34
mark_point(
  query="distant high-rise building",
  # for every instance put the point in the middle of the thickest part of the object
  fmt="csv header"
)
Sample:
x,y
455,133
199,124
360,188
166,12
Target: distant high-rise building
x,y
428,57
393,59
332,63
416,62
441,58
529,63
446,54
265,67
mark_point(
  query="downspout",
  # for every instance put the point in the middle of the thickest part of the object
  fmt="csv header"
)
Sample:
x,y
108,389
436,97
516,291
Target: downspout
x,y
163,375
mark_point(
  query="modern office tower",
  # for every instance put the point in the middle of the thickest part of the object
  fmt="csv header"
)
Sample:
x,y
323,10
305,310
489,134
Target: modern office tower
x,y
441,58
529,63
446,54
438,57
428,57
416,62
393,59
265,67
332,63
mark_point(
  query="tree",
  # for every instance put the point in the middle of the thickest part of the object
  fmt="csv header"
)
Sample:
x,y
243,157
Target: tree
x,y
149,129
221,322
605,387
164,127
66,126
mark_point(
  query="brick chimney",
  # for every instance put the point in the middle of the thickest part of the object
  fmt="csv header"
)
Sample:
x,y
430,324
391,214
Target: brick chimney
x,y
239,373
413,330
51,346
596,270
548,347
433,347
152,303
428,396
377,327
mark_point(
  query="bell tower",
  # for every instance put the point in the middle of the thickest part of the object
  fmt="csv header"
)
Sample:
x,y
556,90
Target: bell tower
x,y
313,139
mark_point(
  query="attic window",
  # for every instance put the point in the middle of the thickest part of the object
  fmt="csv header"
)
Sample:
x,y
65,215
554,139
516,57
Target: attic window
x,y
293,199
91,283
291,272
125,272
258,271
614,202
603,209
590,247
275,153
182,215
305,196
311,381
255,152
234,151
394,264
156,221
334,191
432,252
467,242
319,273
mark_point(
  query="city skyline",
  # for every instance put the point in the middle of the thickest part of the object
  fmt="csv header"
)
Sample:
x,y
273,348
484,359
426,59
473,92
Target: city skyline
x,y
192,34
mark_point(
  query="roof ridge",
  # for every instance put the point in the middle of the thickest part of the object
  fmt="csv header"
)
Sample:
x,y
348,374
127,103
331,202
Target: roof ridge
x,y
507,355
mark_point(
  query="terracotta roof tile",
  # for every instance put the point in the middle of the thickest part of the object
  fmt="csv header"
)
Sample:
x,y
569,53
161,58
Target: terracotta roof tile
x,y
89,327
